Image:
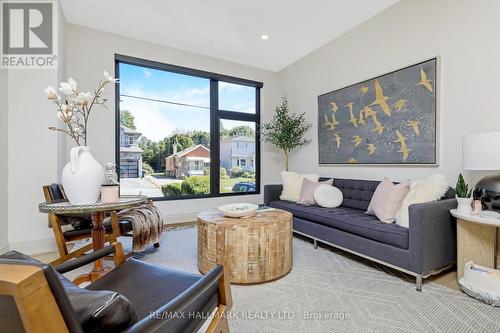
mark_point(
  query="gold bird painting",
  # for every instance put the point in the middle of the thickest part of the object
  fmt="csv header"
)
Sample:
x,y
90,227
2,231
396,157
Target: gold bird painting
x,y
371,148
424,81
356,139
337,139
353,119
380,99
352,160
414,125
400,104
404,148
333,107
363,90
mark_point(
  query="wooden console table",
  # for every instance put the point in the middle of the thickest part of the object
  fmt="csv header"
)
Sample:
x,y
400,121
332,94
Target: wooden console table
x,y
254,250
477,240
97,212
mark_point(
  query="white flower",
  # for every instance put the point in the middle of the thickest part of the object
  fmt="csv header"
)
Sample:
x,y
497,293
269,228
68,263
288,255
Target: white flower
x,y
108,78
51,92
67,109
83,98
60,116
68,88
76,128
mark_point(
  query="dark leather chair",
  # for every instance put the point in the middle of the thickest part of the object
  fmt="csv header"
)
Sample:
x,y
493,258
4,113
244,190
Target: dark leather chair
x,y
133,297
82,225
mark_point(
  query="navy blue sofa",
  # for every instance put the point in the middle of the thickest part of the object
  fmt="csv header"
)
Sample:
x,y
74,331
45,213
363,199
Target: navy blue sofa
x,y
427,247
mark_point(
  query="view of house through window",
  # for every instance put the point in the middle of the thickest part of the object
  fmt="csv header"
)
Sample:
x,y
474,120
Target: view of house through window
x,y
165,122
237,156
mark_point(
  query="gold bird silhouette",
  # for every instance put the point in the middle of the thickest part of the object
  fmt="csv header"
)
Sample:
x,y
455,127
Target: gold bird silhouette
x,y
352,160
378,126
404,148
353,120
333,107
363,90
337,139
414,125
330,124
400,104
380,99
356,139
424,81
361,120
369,112
371,148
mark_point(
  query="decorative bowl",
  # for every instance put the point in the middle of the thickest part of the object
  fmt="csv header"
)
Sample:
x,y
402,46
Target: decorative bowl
x,y
238,209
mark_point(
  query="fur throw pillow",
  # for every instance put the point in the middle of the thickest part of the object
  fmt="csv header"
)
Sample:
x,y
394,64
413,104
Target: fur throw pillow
x,y
431,188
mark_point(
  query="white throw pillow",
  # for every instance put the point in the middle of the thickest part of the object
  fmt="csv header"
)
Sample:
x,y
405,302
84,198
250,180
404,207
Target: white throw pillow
x,y
430,189
328,196
292,184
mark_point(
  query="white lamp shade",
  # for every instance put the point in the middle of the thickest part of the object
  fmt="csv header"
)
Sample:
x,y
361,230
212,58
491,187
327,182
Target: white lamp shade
x,y
481,151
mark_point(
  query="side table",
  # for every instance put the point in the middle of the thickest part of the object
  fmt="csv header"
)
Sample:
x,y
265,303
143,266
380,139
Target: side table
x,y
97,211
477,240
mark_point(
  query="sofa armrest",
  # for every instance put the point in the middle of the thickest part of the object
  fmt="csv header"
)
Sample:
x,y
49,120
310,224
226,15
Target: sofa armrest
x,y
272,192
432,235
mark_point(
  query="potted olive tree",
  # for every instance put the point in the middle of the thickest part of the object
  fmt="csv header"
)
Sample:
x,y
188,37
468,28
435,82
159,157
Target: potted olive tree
x,y
463,195
286,130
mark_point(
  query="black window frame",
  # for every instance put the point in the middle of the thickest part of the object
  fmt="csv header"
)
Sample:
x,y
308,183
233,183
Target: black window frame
x,y
216,115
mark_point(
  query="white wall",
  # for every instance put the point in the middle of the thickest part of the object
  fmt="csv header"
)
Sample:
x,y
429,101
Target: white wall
x,y
89,52
33,153
464,33
4,239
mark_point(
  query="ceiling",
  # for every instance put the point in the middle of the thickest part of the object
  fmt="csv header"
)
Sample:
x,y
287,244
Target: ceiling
x,y
229,29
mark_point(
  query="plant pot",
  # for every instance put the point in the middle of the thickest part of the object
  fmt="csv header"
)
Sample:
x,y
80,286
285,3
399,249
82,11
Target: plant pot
x,y
82,177
464,205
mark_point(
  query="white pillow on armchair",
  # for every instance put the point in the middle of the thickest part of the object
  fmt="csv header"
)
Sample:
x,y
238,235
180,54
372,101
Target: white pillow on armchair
x,y
292,184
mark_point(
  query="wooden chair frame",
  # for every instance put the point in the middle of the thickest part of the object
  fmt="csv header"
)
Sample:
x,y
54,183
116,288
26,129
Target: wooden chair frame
x,y
62,242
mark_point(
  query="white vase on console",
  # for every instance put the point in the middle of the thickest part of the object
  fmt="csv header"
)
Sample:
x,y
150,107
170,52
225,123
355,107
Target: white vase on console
x,y
82,177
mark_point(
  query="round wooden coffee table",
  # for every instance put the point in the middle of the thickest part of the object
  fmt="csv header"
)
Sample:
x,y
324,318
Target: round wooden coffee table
x,y
254,250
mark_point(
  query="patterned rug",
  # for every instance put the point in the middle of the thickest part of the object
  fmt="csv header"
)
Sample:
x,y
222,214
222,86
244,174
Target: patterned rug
x,y
331,291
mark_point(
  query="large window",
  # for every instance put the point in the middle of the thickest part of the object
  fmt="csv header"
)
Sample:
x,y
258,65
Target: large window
x,y
183,133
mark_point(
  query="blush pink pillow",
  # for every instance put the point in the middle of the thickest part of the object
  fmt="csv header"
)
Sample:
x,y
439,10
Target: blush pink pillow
x,y
307,191
387,200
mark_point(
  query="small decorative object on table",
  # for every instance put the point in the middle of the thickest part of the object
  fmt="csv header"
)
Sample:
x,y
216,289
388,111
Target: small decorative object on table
x,y
239,210
463,195
83,176
110,190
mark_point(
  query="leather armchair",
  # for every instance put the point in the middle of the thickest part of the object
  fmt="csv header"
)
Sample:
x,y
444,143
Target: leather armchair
x,y
133,297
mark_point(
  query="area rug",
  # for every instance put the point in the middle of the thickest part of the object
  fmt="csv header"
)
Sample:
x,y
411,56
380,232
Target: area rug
x,y
331,291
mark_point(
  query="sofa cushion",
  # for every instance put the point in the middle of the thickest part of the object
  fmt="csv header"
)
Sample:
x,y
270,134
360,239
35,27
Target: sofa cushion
x,y
350,220
357,193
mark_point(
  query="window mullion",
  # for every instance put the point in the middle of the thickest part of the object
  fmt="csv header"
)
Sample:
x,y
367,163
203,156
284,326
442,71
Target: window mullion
x,y
214,139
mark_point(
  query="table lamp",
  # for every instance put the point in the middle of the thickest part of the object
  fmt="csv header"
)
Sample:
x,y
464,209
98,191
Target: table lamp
x,y
482,152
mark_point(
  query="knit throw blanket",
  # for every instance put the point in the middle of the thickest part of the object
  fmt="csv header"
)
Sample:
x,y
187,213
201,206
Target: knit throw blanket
x,y
147,224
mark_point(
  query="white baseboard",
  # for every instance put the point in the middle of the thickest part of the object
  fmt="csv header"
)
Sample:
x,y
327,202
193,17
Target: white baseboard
x,y
179,218
37,246
4,248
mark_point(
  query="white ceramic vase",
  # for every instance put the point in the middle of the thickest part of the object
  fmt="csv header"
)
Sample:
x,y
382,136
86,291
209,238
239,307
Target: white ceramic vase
x,y
82,177
464,205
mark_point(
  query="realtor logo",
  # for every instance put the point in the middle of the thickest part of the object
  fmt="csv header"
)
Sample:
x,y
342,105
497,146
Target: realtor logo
x,y
28,34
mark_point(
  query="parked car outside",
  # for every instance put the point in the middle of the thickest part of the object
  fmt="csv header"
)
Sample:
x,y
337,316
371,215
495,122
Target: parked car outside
x,y
244,187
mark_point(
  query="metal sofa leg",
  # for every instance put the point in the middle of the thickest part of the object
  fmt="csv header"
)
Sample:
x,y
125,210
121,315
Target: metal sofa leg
x,y
418,283
156,245
315,243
